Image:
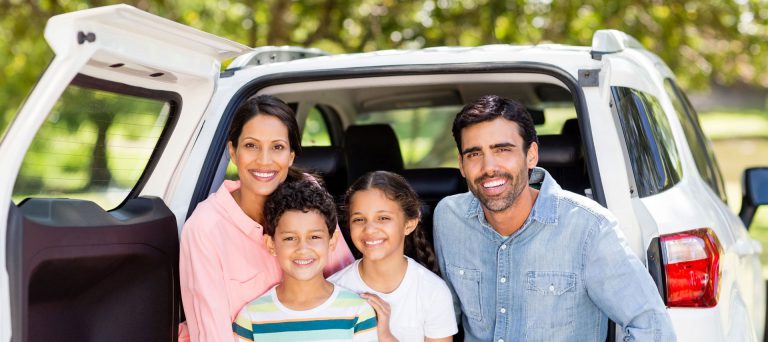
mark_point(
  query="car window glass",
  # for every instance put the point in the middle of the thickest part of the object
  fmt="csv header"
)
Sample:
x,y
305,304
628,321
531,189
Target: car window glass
x,y
650,145
424,134
94,145
316,131
701,149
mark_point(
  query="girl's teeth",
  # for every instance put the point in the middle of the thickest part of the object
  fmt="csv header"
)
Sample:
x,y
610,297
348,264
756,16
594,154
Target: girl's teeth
x,y
374,242
303,262
494,183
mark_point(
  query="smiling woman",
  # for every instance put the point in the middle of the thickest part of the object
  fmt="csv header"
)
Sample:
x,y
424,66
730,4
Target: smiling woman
x,y
224,261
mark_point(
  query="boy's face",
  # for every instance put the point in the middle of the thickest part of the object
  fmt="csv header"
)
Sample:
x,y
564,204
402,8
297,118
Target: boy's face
x,y
301,244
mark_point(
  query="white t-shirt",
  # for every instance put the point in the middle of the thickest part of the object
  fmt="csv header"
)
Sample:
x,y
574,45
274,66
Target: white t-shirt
x,y
421,306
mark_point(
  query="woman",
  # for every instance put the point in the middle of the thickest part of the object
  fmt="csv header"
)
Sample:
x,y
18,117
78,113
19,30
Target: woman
x,y
224,262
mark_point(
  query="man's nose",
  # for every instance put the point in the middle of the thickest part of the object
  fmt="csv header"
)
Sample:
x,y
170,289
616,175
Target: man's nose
x,y
489,163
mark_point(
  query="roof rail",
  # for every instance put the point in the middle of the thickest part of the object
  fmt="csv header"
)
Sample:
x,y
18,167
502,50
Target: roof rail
x,y
273,54
612,41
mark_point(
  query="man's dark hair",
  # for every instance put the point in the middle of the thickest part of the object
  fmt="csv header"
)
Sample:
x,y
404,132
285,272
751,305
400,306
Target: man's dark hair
x,y
303,195
490,107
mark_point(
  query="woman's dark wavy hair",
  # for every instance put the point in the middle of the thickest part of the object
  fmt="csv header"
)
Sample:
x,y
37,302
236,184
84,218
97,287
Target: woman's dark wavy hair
x,y
396,188
272,106
303,195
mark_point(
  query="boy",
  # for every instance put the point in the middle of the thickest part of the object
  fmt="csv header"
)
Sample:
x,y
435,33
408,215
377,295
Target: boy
x,y
299,220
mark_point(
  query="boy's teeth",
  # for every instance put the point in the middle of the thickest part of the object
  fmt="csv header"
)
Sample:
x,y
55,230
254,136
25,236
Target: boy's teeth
x,y
374,242
494,183
304,262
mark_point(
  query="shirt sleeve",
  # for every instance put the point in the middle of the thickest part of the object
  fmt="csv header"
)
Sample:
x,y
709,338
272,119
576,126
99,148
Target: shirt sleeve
x,y
242,327
365,328
619,284
203,288
340,257
441,319
439,254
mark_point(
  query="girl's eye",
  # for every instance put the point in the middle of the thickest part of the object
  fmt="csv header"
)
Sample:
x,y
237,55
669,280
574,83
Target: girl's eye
x,y
384,218
357,220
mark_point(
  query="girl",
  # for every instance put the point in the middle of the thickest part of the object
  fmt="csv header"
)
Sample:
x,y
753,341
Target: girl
x,y
224,262
412,303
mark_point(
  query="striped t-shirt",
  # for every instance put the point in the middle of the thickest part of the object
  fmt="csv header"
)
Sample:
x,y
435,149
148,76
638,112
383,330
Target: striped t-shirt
x,y
343,317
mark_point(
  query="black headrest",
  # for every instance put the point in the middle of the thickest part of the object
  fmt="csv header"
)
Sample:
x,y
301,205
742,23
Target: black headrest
x,y
434,184
370,148
558,150
571,127
321,159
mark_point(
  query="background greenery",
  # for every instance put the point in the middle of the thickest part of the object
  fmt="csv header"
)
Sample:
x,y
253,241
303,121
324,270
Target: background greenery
x,y
703,41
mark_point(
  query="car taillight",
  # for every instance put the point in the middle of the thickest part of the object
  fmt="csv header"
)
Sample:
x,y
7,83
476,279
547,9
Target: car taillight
x,y
692,268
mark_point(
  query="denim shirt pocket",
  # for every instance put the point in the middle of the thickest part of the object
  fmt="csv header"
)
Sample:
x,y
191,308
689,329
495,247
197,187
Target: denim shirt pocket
x,y
466,283
549,305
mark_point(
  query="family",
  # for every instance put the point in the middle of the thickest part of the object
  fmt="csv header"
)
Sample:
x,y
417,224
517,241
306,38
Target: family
x,y
515,259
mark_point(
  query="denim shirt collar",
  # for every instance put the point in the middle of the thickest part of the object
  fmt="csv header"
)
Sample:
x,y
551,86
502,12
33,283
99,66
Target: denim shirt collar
x,y
544,209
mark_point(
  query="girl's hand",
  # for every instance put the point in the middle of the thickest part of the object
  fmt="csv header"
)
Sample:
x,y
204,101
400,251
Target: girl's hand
x,y
382,316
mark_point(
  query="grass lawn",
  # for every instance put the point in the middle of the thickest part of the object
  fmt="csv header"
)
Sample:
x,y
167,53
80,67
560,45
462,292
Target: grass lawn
x,y
740,141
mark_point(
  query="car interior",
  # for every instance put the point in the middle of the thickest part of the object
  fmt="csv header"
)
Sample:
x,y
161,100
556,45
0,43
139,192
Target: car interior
x,y
403,124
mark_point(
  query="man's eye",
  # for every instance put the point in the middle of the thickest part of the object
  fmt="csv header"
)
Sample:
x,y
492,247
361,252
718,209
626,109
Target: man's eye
x,y
472,155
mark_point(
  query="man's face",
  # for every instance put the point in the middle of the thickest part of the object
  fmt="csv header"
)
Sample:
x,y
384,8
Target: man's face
x,y
494,162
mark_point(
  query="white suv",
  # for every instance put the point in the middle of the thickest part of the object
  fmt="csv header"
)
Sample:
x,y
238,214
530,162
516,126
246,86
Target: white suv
x,y
125,133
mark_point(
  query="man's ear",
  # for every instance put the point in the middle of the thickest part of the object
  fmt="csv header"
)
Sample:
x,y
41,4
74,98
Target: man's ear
x,y
411,225
532,157
270,242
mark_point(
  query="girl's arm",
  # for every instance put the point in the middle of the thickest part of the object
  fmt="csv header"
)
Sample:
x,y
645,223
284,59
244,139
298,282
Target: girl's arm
x,y
203,289
382,316
444,339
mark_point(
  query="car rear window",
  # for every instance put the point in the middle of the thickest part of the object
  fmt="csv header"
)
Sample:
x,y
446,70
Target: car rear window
x,y
94,145
650,145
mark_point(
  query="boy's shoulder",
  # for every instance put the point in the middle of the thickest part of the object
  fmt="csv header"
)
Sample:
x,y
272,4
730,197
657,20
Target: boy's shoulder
x,y
263,303
347,297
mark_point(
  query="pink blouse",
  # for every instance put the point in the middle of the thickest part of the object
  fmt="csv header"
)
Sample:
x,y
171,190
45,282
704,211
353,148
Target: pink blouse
x,y
224,264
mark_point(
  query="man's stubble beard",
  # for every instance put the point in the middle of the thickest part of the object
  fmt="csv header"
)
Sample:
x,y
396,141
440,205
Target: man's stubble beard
x,y
517,185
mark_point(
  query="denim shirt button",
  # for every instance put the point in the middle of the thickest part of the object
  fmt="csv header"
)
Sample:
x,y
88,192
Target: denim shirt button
x,y
629,338
551,288
503,310
503,246
461,272
503,280
501,340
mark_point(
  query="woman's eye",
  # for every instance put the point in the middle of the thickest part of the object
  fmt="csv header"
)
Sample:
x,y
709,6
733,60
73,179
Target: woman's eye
x,y
250,145
279,147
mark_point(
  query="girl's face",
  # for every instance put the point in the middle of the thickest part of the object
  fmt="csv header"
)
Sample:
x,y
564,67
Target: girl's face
x,y
262,155
301,244
378,225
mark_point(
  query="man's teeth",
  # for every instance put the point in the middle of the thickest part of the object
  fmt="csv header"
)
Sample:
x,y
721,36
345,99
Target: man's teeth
x,y
494,183
374,242
264,174
304,262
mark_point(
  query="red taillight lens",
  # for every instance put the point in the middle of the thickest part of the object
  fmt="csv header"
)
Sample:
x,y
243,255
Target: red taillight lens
x,y
692,265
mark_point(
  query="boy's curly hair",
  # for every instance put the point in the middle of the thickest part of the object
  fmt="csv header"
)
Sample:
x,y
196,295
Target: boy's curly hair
x,y
303,195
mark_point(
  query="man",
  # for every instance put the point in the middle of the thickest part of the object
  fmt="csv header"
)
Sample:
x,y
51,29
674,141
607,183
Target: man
x,y
528,264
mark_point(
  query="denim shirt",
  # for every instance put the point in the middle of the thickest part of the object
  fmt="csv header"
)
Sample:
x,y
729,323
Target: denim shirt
x,y
558,278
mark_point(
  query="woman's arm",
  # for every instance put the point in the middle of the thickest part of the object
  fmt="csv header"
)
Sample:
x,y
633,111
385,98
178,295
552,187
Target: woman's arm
x,y
203,288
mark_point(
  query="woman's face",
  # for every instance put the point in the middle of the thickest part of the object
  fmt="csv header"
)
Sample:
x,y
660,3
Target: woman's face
x,y
262,155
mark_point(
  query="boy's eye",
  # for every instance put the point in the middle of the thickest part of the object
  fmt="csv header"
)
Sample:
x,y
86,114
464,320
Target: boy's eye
x,y
289,238
316,237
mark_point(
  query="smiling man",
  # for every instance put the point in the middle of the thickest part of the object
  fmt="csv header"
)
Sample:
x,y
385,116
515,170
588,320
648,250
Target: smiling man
x,y
528,264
